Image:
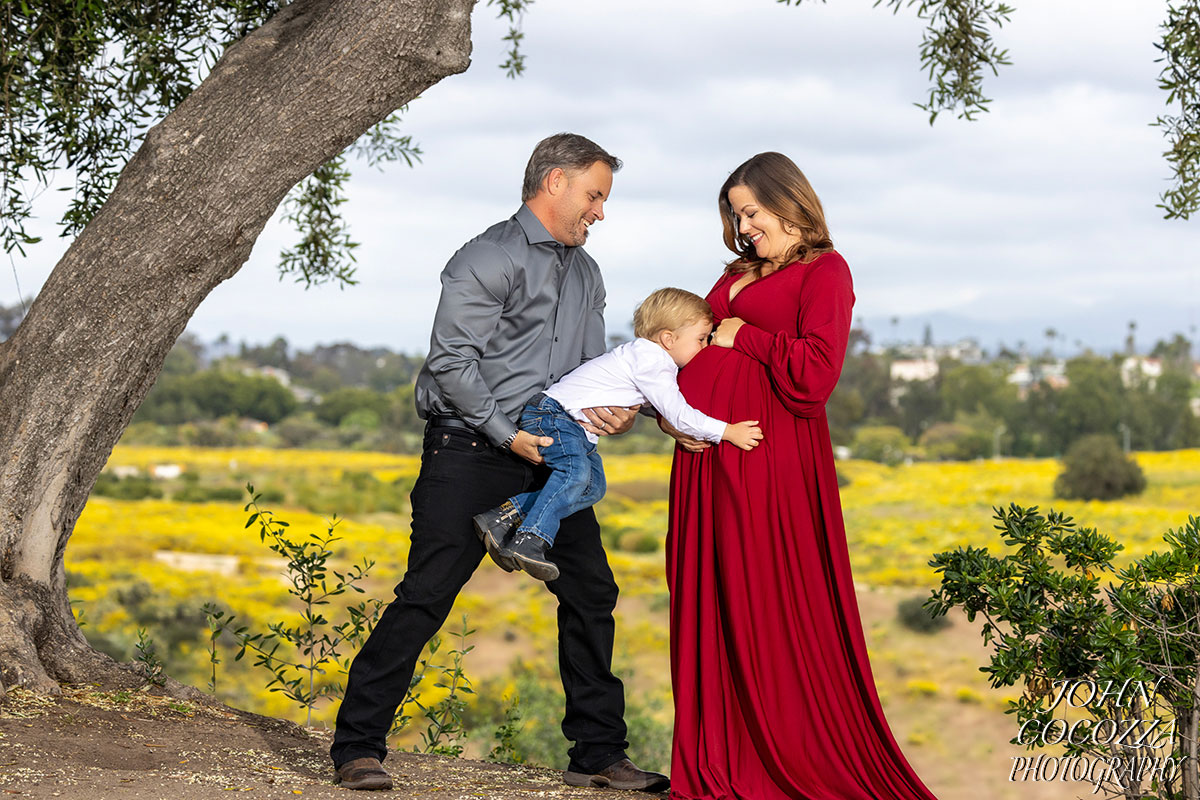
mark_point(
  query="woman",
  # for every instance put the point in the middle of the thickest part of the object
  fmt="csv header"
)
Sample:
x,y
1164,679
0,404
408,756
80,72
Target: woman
x,y
773,690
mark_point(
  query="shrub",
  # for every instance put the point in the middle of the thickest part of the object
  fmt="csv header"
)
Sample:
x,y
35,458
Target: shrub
x,y
914,616
193,493
883,443
1096,469
137,487
1051,626
955,441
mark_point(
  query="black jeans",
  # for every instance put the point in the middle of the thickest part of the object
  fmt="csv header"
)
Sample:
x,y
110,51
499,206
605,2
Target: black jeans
x,y
461,476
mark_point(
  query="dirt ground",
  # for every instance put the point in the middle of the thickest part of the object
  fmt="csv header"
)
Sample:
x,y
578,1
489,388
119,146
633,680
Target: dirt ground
x,y
134,745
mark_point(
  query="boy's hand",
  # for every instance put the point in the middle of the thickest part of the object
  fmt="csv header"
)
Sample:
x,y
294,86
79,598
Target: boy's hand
x,y
609,420
745,435
526,446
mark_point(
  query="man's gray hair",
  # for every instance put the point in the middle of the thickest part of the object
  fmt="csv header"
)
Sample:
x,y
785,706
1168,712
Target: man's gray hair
x,y
568,151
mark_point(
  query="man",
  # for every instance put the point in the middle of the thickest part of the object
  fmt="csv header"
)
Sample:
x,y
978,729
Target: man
x,y
521,305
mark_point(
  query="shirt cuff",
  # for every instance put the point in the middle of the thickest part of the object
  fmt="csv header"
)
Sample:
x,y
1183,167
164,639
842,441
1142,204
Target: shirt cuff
x,y
754,342
497,429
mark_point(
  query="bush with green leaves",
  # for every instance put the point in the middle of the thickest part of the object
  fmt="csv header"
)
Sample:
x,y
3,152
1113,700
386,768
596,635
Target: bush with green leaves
x,y
955,441
300,655
1052,627
133,487
913,615
1094,468
883,443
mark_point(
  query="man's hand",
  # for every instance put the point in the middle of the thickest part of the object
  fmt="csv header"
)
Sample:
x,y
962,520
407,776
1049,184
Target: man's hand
x,y
726,332
685,441
526,446
609,420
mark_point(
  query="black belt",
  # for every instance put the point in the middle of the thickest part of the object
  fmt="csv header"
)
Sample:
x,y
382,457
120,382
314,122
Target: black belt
x,y
447,421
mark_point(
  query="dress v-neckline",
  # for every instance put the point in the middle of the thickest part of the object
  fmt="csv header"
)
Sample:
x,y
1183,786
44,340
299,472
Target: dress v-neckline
x,y
733,297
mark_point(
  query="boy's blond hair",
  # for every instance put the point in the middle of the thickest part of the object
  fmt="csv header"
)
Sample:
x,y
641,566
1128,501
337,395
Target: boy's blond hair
x,y
668,310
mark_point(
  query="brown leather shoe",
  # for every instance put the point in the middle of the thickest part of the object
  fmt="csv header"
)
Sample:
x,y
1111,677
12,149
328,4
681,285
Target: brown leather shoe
x,y
363,773
621,775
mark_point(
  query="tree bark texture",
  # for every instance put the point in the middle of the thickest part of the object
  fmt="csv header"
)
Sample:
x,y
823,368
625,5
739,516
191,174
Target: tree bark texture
x,y
181,219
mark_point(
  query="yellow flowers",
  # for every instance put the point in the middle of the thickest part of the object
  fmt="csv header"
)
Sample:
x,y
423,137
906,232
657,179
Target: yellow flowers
x,y
176,556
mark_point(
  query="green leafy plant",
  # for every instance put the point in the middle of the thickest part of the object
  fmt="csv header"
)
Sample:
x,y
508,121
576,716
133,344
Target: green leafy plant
x,y
147,656
296,654
1133,645
446,729
505,751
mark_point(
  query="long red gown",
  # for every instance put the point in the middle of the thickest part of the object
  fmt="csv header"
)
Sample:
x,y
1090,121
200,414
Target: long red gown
x,y
773,690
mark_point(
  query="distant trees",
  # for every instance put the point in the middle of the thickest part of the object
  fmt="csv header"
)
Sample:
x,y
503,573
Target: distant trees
x,y
214,393
974,410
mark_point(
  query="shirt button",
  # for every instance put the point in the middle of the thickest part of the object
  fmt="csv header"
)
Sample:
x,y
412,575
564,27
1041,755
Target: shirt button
x,y
556,338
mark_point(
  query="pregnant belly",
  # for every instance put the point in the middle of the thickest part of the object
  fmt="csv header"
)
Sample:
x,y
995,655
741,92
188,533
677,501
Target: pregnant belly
x,y
719,381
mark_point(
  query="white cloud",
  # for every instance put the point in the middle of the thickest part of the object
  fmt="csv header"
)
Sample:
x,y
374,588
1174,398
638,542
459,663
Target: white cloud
x,y
1045,203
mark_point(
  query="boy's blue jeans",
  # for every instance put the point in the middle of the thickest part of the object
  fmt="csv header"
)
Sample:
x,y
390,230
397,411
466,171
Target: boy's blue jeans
x,y
576,479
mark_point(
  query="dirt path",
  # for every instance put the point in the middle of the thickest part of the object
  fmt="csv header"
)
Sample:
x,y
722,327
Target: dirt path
x,y
130,745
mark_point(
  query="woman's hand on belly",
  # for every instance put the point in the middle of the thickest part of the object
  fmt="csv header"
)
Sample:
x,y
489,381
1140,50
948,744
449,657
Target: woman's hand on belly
x,y
726,332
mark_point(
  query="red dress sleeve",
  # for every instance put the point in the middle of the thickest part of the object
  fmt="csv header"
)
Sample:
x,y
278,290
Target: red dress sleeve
x,y
804,368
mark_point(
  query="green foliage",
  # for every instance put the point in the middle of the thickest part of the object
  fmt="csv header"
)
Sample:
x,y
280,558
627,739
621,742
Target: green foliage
x,y
1096,469
955,441
147,657
134,487
1050,626
541,742
214,393
956,48
80,82
446,728
195,493
325,251
1180,48
311,646
505,750
913,615
338,404
883,443
1091,402
513,11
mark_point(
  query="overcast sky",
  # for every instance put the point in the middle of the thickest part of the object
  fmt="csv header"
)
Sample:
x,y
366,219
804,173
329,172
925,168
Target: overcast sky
x,y
1041,213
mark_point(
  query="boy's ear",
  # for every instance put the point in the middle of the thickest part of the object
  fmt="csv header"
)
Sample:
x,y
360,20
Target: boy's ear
x,y
666,337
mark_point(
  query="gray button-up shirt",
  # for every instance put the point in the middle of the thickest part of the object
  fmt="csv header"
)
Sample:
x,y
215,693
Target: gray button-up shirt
x,y
518,311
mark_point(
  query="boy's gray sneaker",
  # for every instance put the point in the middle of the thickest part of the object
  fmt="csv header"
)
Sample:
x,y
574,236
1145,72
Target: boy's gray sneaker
x,y
528,550
494,527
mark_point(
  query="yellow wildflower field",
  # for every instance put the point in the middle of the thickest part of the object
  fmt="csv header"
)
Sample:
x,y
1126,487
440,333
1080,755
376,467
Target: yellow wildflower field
x,y
152,563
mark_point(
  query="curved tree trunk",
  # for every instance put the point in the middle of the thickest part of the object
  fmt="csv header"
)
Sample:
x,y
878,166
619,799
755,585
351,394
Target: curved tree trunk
x,y
182,218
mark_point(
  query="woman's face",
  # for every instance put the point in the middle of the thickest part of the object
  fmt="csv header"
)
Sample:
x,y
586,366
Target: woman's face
x,y
765,231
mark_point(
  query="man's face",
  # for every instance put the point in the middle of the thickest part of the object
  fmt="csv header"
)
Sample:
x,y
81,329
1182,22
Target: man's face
x,y
580,202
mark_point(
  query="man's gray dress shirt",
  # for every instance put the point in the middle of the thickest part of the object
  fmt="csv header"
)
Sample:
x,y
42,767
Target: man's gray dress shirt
x,y
518,311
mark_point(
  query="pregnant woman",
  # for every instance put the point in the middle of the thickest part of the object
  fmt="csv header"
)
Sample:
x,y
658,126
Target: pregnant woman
x,y
773,690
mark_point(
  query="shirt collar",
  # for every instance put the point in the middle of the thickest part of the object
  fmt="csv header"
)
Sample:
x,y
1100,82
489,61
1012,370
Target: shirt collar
x,y
535,231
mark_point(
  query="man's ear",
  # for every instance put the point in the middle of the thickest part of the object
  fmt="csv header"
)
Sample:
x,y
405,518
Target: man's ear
x,y
556,181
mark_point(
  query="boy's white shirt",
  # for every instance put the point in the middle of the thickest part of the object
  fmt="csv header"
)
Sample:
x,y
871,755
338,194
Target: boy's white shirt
x,y
630,374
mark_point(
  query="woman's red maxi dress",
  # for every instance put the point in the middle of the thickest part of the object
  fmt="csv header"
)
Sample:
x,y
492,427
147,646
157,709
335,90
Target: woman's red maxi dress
x,y
773,690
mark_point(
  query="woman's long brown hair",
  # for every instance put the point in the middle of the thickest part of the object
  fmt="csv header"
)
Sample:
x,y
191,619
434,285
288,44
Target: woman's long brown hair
x,y
781,188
